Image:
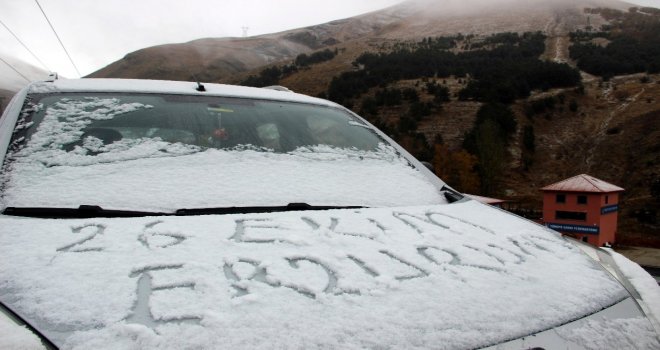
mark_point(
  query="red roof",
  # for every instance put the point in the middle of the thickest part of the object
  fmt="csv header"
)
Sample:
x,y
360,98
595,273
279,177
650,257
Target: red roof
x,y
485,200
583,183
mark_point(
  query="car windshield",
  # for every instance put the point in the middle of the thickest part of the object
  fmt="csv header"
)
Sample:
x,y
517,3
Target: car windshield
x,y
165,152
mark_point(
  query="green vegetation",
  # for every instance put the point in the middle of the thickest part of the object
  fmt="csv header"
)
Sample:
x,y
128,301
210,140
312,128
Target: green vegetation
x,y
457,167
389,97
529,146
654,188
529,141
268,76
542,105
633,44
439,92
272,75
501,74
495,70
410,94
304,60
488,140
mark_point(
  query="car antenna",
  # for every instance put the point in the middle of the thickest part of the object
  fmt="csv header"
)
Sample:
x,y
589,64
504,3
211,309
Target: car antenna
x,y
52,77
199,87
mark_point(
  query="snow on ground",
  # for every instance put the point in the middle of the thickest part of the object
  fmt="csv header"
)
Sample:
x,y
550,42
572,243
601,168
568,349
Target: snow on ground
x,y
447,276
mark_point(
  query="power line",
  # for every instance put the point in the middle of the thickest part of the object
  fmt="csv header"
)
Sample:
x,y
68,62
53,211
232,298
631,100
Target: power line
x,y
25,46
58,38
15,70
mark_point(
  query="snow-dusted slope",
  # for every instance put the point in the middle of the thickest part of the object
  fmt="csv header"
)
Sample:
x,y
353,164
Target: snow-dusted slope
x,y
12,81
214,59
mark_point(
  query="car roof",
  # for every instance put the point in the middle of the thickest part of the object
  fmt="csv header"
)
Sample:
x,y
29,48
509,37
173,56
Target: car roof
x,y
171,87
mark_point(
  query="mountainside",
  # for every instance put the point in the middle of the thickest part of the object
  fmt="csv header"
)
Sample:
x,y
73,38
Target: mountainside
x,y
214,59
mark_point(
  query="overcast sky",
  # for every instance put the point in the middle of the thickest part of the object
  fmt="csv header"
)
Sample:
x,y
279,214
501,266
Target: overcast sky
x,y
99,32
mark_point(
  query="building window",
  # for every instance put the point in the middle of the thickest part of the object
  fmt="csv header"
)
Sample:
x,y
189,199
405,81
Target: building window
x,y
607,199
561,198
581,199
570,215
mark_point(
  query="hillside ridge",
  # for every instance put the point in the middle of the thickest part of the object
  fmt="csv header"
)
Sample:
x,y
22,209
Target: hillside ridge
x,y
215,59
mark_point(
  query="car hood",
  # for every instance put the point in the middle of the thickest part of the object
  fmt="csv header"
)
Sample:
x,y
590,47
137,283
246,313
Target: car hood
x,y
463,275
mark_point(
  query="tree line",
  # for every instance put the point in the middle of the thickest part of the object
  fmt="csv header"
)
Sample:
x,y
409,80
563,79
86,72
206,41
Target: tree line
x,y
272,75
502,74
633,44
496,70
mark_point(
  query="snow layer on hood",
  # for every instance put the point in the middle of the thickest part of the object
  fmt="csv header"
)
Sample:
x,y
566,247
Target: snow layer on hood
x,y
645,284
15,337
449,276
632,333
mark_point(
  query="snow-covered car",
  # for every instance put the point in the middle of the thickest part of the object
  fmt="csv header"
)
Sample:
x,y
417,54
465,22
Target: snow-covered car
x,y
156,215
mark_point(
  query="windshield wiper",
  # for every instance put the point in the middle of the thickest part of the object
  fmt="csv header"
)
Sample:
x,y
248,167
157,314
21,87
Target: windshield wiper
x,y
451,195
95,211
265,209
83,211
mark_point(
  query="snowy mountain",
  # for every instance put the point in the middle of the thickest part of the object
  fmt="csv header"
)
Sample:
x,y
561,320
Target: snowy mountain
x,y
215,59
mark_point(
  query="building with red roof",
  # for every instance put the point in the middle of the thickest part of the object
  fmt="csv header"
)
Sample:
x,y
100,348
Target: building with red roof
x,y
487,200
583,207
